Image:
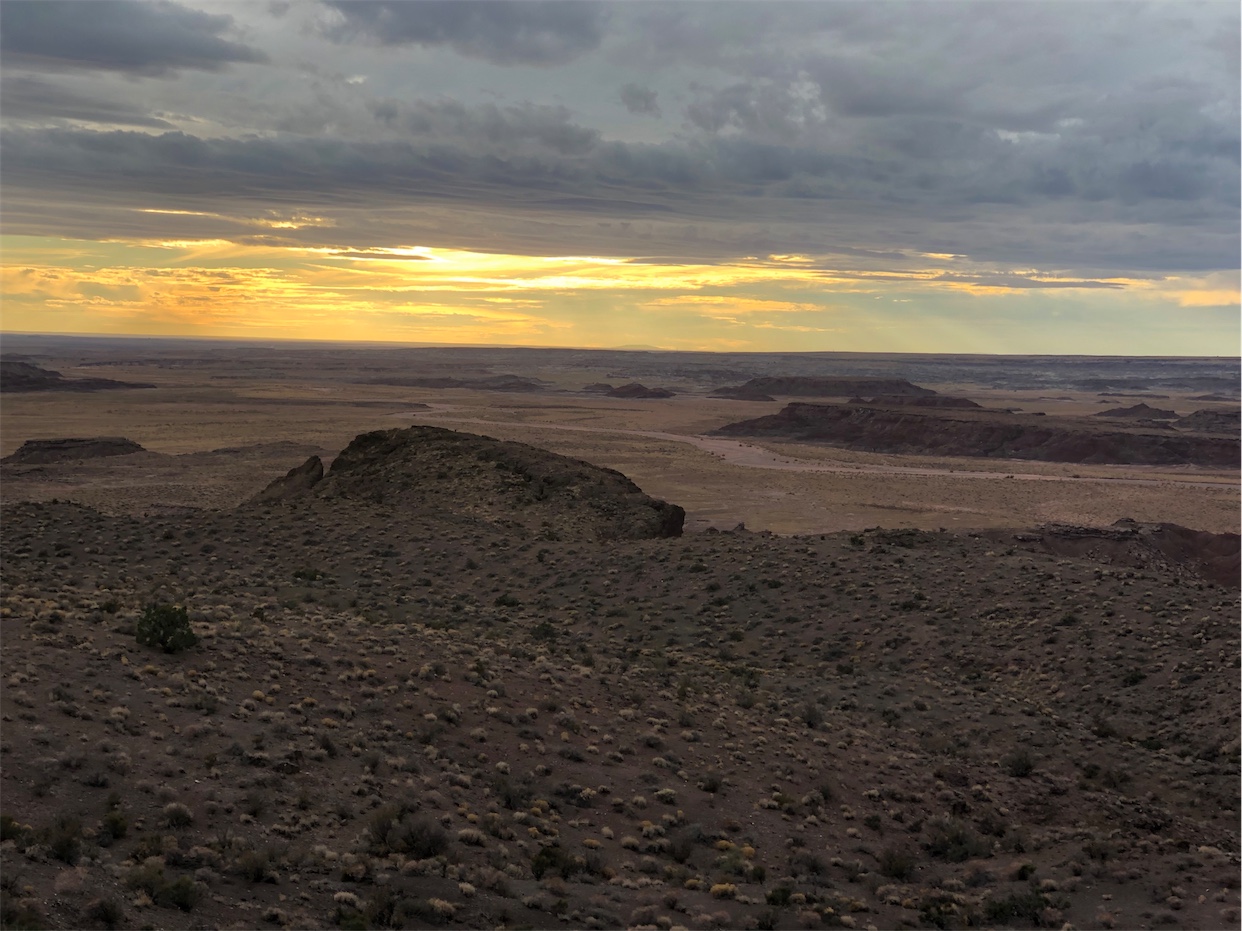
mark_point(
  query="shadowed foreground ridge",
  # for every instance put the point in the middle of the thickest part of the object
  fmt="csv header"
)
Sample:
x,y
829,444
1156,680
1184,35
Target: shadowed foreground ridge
x,y
434,470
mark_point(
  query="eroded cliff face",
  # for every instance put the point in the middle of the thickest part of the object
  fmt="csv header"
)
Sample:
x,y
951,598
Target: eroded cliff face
x,y
987,434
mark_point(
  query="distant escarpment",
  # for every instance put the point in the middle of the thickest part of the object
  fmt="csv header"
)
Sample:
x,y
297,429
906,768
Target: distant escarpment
x,y
431,470
970,433
42,452
635,390
913,400
821,387
1215,557
18,376
487,383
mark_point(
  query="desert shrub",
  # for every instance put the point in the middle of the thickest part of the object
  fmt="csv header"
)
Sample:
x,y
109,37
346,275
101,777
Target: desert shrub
x,y
64,839
897,863
953,841
178,815
812,715
20,913
10,828
1019,764
166,627
393,830
255,866
106,911
180,893
554,859
115,826
779,897
1018,906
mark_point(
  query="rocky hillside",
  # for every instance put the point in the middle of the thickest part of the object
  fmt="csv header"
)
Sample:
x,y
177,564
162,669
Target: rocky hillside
x,y
409,718
430,470
990,434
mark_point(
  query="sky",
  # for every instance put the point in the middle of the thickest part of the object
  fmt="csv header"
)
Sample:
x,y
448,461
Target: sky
x,y
928,176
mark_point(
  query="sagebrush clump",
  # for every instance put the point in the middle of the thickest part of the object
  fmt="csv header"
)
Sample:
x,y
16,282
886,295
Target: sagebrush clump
x,y
166,627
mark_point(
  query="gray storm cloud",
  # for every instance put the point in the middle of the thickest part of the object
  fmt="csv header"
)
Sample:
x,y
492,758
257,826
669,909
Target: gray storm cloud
x,y
532,32
1101,136
117,35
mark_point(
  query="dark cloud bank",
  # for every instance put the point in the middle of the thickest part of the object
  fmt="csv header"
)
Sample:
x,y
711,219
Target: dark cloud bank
x,y
1101,136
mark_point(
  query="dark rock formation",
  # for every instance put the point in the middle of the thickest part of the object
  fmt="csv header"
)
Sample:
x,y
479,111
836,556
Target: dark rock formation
x,y
41,452
969,433
1139,411
599,387
293,484
421,470
906,400
18,376
741,393
1210,421
489,383
822,387
635,390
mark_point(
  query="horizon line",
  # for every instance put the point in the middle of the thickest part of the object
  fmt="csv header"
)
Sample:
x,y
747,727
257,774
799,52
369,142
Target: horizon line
x,y
630,348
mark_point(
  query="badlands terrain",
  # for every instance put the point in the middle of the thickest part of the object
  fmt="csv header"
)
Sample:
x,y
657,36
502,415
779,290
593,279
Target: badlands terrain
x,y
531,639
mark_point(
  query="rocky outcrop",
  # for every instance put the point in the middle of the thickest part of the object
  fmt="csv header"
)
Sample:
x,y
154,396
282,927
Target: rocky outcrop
x,y
989,434
635,390
599,387
42,452
822,387
293,484
1139,411
422,470
17,376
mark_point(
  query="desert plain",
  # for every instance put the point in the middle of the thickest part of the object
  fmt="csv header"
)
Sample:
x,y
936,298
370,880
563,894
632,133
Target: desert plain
x,y
841,679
